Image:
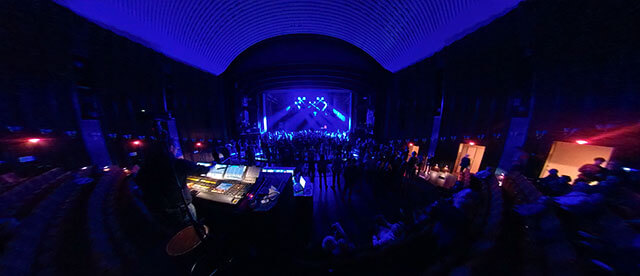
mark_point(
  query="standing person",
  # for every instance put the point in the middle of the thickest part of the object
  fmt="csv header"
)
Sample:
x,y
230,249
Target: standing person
x,y
266,154
322,171
238,149
465,162
547,182
336,170
311,163
412,164
250,156
422,164
162,180
592,172
350,177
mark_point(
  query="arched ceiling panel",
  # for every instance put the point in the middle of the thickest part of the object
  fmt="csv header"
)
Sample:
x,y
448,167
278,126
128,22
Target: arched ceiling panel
x,y
209,34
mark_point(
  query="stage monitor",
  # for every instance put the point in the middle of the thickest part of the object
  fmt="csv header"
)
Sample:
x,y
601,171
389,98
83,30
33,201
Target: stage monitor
x,y
303,109
235,172
217,171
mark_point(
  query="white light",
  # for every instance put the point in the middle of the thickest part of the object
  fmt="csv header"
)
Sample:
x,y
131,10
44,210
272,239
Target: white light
x,y
302,182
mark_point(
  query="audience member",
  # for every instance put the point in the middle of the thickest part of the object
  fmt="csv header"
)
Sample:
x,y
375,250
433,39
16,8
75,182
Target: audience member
x,y
517,188
465,162
337,243
336,169
322,171
592,172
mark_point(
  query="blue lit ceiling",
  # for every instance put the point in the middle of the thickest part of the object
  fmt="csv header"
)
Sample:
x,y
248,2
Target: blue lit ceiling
x,y
209,34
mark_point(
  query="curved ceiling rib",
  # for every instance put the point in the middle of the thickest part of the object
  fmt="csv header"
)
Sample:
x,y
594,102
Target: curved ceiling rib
x,y
210,34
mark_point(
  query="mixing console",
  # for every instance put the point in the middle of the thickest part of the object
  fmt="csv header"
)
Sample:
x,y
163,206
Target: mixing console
x,y
231,183
218,190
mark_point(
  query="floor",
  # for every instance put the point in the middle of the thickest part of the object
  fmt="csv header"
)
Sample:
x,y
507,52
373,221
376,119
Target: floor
x,y
371,196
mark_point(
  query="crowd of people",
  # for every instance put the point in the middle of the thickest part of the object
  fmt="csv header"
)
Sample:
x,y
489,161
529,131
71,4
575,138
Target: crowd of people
x,y
326,153
600,202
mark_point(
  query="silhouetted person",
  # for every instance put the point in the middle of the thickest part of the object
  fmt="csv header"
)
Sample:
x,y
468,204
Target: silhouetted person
x,y
250,155
553,176
546,184
322,171
465,162
238,149
560,186
517,188
226,153
311,163
592,172
215,154
422,167
266,153
488,171
350,177
412,164
336,170
162,177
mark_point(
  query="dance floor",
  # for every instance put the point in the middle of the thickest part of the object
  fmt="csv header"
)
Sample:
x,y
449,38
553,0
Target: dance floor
x,y
371,197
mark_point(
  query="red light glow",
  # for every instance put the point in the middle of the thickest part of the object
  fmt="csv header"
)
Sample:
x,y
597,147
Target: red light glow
x,y
472,143
411,144
582,142
198,144
34,140
136,142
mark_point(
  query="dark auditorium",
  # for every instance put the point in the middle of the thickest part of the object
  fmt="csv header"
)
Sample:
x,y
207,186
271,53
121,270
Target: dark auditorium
x,y
319,137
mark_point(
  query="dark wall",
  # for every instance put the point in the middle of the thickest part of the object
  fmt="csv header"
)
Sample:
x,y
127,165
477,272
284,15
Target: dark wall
x,y
579,60
48,54
587,82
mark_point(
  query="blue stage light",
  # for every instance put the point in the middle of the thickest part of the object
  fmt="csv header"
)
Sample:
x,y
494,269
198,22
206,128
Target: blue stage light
x,y
340,116
319,104
211,34
288,108
264,121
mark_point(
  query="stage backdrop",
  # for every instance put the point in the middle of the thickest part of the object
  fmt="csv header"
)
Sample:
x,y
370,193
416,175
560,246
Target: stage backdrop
x,y
301,109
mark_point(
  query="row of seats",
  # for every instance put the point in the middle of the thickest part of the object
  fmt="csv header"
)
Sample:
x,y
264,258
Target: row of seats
x,y
35,215
101,214
62,250
123,236
61,223
21,198
483,249
476,248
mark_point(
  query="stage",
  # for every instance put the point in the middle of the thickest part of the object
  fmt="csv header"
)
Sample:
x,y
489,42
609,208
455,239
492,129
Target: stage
x,y
303,109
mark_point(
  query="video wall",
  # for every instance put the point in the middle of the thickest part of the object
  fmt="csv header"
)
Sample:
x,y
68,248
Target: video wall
x,y
303,109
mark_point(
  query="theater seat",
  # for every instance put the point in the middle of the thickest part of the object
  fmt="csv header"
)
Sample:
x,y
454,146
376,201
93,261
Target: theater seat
x,y
21,252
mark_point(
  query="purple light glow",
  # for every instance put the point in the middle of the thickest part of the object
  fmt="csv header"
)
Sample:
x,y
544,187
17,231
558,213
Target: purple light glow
x,y
210,34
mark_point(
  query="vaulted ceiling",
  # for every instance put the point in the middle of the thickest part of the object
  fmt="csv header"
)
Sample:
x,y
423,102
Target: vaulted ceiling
x,y
210,34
